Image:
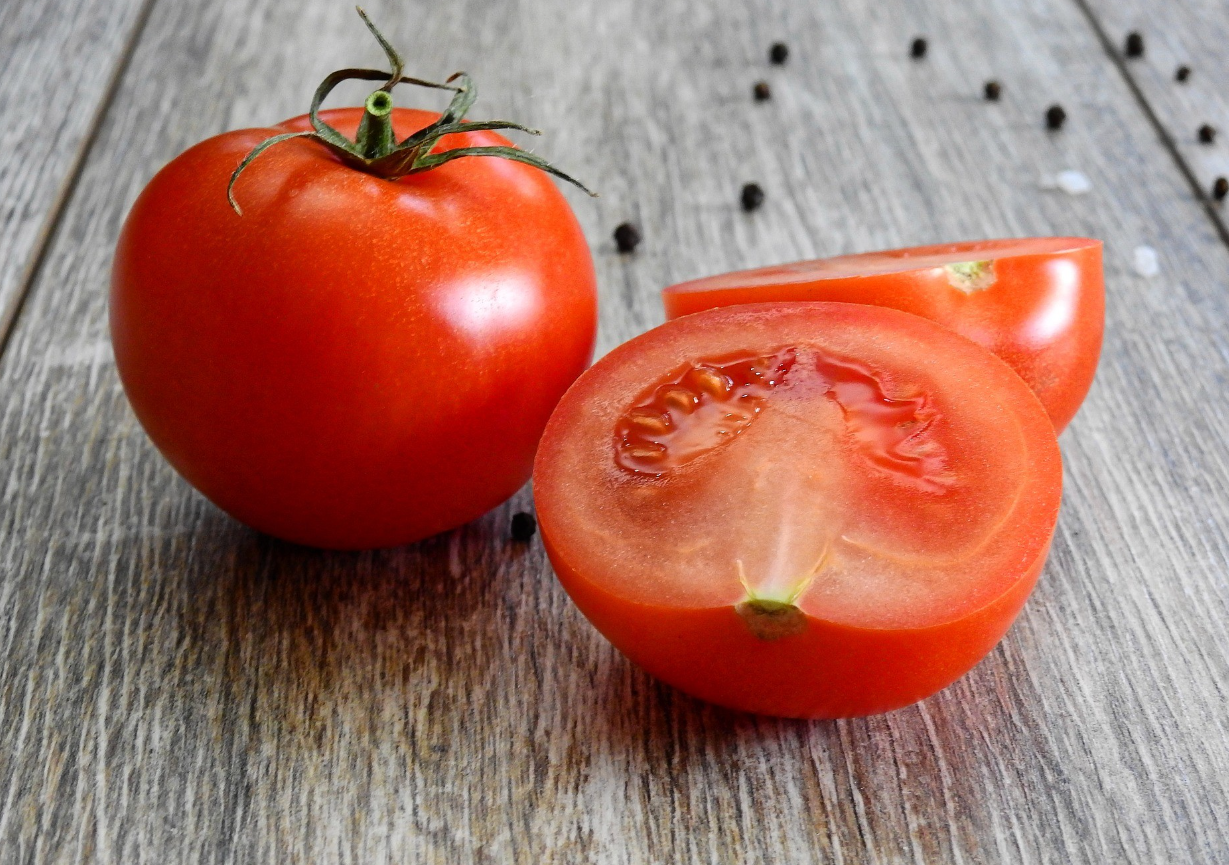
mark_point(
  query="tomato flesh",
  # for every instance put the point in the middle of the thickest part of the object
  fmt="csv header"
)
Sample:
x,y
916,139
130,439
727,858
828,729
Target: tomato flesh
x,y
803,509
1038,303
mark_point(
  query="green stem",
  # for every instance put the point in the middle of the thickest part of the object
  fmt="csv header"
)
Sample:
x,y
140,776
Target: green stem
x,y
375,137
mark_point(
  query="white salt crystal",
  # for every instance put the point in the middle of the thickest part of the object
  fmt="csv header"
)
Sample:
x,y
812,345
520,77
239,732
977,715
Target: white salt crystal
x,y
1146,263
1073,182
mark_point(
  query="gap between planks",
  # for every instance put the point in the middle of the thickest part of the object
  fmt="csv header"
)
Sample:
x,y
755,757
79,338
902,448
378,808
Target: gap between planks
x,y
51,225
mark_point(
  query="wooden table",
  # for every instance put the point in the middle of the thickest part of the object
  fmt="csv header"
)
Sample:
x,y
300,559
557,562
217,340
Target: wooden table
x,y
177,688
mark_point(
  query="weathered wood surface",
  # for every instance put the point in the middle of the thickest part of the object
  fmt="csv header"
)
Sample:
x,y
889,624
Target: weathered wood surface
x,y
58,63
174,687
1195,34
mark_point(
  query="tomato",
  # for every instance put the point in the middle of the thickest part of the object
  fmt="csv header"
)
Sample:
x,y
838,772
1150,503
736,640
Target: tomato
x,y
354,362
800,509
1038,303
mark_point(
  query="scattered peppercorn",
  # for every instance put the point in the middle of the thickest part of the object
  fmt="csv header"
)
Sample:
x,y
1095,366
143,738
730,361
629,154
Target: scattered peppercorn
x,y
993,91
918,49
752,197
1055,117
778,53
1135,44
1207,134
761,91
1220,188
627,237
523,526
1183,73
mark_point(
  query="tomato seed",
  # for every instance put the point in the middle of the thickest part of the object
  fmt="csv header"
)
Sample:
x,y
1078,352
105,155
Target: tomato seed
x,y
1135,44
627,237
1183,73
778,53
918,49
1220,188
993,91
761,91
1055,117
1207,134
752,197
523,526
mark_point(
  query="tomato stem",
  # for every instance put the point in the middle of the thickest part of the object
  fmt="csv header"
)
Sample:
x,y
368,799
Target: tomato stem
x,y
376,150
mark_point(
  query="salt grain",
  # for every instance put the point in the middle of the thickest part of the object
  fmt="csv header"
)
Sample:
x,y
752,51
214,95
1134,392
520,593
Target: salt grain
x,y
1073,182
1146,263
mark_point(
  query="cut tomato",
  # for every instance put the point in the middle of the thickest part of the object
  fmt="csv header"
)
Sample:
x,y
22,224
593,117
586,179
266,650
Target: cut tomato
x,y
1038,302
800,509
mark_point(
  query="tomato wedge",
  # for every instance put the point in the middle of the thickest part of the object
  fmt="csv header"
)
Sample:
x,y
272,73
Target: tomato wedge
x,y
800,509
1038,302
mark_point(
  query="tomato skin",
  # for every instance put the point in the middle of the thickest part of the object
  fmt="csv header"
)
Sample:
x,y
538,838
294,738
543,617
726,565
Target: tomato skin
x,y
353,362
1045,314
848,671
847,660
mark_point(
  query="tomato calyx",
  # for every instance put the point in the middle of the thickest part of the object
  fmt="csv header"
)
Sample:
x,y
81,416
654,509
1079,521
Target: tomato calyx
x,y
375,149
771,618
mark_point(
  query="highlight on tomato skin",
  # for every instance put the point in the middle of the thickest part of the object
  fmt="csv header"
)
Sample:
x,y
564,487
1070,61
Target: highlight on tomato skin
x,y
1037,302
810,510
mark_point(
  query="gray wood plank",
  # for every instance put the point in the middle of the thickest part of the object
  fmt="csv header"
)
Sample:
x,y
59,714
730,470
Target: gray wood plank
x,y
1192,33
174,687
58,63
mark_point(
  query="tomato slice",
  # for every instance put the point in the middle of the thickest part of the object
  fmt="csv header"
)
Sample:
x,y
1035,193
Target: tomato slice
x,y
800,509
1037,302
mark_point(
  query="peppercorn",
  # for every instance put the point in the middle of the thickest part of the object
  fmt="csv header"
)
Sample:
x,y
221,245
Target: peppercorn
x,y
752,197
1135,44
918,49
627,237
993,91
778,53
1220,188
1207,134
523,526
761,91
1183,73
1055,117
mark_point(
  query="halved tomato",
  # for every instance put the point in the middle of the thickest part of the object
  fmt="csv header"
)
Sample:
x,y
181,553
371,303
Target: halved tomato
x,y
800,509
1038,302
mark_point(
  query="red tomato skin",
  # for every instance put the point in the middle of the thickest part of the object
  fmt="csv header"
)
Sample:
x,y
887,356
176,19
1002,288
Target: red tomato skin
x,y
353,362
829,671
1045,316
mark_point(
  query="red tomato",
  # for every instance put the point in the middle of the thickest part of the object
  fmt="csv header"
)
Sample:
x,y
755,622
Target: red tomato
x,y
1038,303
353,362
800,509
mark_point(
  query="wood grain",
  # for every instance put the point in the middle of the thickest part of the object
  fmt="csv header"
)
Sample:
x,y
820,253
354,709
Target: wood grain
x,y
1192,33
174,687
58,63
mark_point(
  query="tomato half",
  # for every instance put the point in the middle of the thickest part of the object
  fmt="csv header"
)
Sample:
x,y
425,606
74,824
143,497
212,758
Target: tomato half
x,y
800,509
354,362
1038,302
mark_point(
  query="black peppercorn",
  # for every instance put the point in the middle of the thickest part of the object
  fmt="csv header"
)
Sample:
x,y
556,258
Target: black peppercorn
x,y
1135,44
1055,117
778,53
1183,73
1220,188
523,526
752,197
993,91
761,91
1207,134
918,49
627,237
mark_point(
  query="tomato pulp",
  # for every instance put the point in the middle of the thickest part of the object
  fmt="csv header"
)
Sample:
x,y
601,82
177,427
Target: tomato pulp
x,y
354,362
1038,302
800,509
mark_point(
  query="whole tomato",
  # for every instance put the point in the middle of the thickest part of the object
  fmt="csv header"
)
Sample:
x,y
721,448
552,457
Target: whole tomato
x,y
357,360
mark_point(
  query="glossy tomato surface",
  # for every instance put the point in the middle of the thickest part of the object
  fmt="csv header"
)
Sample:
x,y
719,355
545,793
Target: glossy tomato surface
x,y
1038,302
353,362
800,509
